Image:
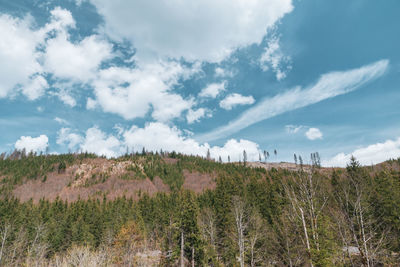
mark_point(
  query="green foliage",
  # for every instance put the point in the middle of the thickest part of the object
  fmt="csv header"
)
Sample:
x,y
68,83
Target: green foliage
x,y
160,219
18,166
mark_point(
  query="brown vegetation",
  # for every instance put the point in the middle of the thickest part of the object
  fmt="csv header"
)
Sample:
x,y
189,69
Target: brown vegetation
x,y
94,178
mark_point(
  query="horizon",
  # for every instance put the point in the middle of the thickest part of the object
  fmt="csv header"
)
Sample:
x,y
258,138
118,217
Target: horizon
x,y
220,76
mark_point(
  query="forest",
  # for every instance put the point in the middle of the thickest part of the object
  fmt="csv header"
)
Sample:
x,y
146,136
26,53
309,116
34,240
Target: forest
x,y
254,216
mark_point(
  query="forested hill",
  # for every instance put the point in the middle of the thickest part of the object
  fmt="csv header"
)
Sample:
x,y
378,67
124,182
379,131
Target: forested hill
x,y
167,209
83,176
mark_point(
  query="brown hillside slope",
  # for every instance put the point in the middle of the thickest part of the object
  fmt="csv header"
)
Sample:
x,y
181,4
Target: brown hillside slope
x,y
94,178
98,177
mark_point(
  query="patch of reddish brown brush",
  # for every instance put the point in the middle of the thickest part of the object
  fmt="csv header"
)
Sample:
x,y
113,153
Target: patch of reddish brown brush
x,y
198,182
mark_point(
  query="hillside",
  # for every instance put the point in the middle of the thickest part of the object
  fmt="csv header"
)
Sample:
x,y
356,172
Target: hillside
x,y
139,209
85,176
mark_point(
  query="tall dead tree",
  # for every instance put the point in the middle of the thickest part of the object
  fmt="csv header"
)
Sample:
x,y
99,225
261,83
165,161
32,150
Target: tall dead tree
x,y
356,224
208,228
241,224
182,250
308,202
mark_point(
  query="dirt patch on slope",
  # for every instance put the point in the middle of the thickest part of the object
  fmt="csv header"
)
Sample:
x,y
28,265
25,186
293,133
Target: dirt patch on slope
x,y
198,182
91,179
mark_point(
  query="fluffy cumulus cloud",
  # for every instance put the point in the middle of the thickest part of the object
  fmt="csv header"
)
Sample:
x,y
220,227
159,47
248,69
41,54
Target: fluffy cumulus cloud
x,y
156,136
77,61
274,58
205,30
212,90
66,137
98,142
212,30
34,144
153,137
18,55
233,100
133,93
313,134
27,54
371,154
35,88
195,115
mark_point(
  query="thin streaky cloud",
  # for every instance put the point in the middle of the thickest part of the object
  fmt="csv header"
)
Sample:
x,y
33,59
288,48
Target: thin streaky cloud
x,y
329,85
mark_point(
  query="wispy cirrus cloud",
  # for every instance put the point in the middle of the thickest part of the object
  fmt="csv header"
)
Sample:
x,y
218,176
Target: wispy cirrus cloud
x,y
329,85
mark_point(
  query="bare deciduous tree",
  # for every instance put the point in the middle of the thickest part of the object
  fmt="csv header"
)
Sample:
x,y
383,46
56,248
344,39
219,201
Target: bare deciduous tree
x,y
307,201
241,224
4,235
355,223
208,228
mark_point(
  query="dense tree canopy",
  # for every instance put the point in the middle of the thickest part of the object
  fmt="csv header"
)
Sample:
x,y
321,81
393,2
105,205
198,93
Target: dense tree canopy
x,y
254,217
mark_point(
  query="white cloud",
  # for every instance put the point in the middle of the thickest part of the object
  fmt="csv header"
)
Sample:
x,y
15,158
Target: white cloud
x,y
78,61
274,58
156,136
329,85
35,144
27,54
91,103
293,129
220,72
65,97
372,154
18,55
207,30
213,90
61,21
66,137
35,88
131,93
98,142
235,99
313,134
195,115
61,121
153,137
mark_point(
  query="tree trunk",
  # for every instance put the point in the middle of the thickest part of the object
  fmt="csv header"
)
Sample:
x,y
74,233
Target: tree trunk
x,y
182,250
192,256
3,241
363,234
306,235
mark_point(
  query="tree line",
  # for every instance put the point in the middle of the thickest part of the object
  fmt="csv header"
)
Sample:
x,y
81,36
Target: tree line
x,y
254,217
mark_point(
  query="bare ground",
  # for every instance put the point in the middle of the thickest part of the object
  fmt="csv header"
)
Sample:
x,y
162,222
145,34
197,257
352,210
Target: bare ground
x,y
94,178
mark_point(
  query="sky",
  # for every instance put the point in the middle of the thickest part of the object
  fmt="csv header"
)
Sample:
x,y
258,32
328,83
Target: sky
x,y
295,76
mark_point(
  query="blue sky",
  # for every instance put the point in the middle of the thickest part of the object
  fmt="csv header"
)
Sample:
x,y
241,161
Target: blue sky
x,y
295,76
